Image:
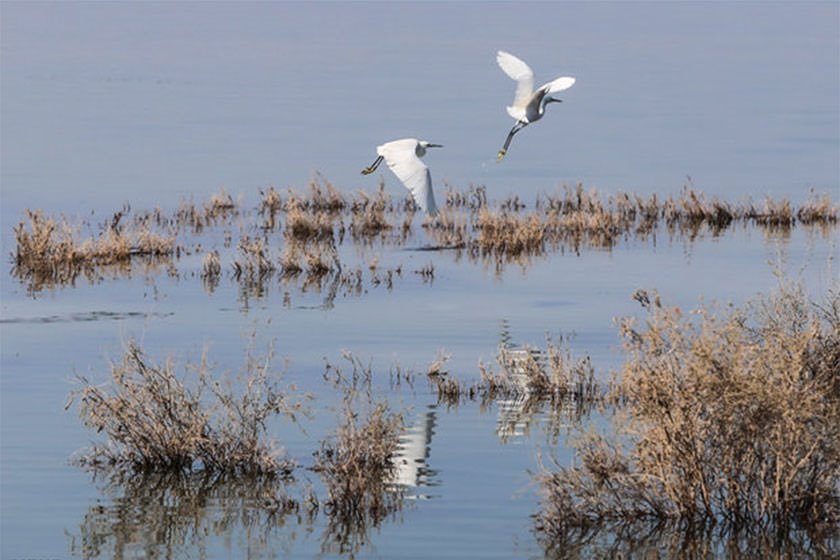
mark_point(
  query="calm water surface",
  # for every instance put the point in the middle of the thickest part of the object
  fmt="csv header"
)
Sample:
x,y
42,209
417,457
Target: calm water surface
x,y
149,104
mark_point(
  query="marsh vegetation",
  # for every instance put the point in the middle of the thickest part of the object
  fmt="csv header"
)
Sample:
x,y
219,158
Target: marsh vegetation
x,y
722,418
727,423
301,239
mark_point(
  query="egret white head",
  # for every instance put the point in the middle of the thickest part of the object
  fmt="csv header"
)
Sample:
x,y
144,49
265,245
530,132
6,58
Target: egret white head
x,y
528,105
403,158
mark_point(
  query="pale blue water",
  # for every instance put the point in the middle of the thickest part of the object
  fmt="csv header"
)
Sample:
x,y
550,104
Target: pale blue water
x,y
109,103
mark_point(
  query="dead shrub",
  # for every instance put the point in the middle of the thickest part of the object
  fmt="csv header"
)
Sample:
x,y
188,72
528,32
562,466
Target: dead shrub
x,y
357,462
156,420
732,417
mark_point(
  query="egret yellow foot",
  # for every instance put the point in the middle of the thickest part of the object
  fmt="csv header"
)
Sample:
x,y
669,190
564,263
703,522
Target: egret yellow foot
x,y
502,153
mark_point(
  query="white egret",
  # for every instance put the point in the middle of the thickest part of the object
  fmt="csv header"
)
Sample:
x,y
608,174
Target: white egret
x,y
403,157
528,105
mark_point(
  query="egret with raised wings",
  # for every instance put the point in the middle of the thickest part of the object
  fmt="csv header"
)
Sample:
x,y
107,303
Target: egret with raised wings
x,y
528,105
403,157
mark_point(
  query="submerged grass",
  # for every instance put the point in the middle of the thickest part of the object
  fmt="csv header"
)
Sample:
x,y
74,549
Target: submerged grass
x,y
731,417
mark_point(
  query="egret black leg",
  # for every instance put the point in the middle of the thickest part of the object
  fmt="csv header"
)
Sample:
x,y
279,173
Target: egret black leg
x,y
516,128
372,167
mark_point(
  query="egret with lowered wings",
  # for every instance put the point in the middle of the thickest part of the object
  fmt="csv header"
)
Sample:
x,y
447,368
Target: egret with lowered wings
x,y
403,157
528,105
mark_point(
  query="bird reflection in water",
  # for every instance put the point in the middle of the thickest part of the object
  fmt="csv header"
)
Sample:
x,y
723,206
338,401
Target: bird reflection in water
x,y
412,455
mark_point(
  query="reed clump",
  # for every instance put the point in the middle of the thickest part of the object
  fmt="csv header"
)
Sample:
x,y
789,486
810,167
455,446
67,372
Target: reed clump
x,y
270,205
220,206
817,210
156,420
254,263
509,234
368,214
732,417
303,224
49,251
773,214
211,270
358,462
550,373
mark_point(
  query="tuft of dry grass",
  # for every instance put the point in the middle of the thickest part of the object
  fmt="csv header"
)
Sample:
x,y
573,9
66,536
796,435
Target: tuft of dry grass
x,y
774,214
157,421
220,206
211,270
368,214
552,373
270,206
254,262
510,234
48,251
303,224
731,417
817,210
357,463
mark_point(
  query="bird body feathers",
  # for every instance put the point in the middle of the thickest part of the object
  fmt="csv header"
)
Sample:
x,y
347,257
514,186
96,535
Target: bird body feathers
x,y
403,158
528,105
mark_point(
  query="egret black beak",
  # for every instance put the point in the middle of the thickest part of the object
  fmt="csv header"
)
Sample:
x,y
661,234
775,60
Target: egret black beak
x,y
553,100
435,146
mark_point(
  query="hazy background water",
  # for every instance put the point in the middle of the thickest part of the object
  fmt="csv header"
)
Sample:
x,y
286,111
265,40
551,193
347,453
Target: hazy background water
x,y
149,103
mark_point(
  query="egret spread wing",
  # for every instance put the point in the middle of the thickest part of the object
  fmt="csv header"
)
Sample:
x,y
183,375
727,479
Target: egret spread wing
x,y
522,73
401,157
559,84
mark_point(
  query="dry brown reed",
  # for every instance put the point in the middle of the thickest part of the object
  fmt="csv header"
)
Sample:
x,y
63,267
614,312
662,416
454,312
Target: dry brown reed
x,y
304,224
357,463
220,206
211,270
270,206
474,199
49,251
731,417
156,420
552,373
774,214
503,233
52,251
817,210
369,214
254,263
